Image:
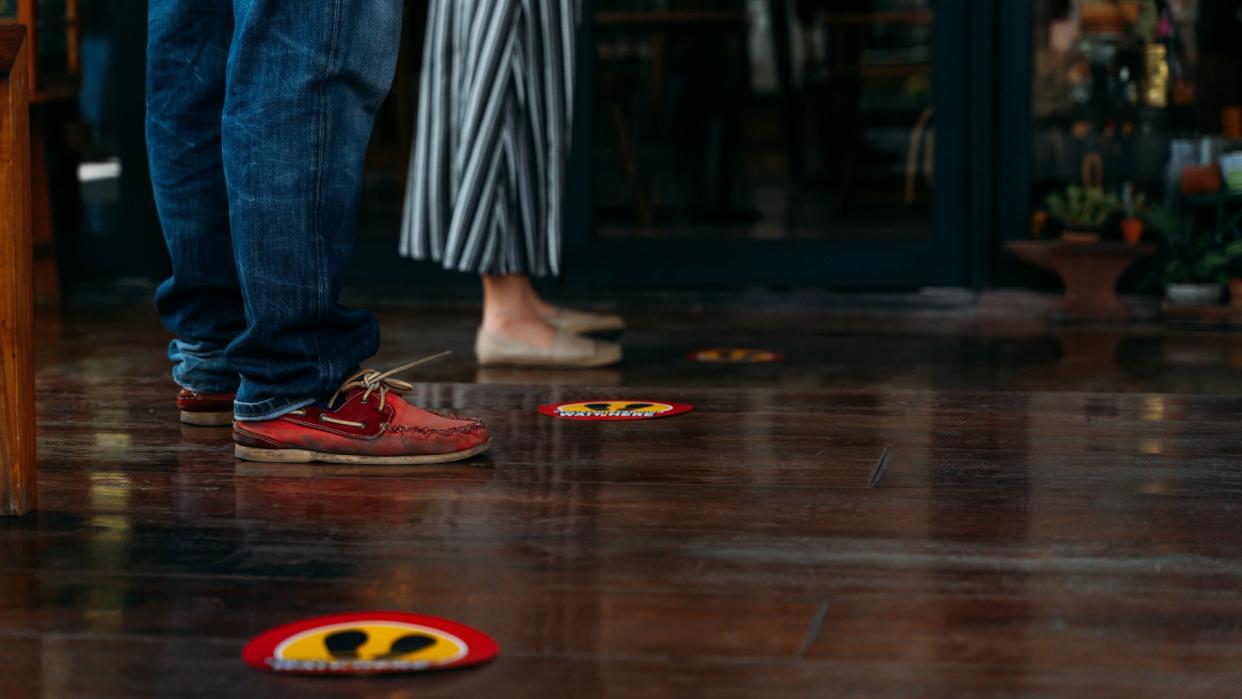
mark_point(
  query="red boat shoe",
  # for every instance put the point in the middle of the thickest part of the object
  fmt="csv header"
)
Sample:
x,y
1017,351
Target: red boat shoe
x,y
206,409
367,422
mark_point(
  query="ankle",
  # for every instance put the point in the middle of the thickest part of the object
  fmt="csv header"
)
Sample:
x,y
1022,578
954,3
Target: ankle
x,y
508,297
505,322
528,328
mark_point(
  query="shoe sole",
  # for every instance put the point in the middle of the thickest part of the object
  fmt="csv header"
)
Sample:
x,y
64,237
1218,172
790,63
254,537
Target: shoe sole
x,y
610,330
540,363
203,419
605,335
305,456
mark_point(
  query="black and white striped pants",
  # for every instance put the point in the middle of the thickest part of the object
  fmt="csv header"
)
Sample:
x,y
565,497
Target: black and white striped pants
x,y
491,145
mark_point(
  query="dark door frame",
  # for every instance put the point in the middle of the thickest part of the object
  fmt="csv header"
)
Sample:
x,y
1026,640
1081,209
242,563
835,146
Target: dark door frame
x,y
1004,86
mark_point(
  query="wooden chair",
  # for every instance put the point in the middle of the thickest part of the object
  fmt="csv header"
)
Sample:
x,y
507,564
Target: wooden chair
x,y
17,409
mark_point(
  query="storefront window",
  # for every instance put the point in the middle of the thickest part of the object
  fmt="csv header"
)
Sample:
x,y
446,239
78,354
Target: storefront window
x,y
1127,93
765,119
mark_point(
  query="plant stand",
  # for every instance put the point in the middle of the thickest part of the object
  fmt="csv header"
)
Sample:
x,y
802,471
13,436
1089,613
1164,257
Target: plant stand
x,y
1089,272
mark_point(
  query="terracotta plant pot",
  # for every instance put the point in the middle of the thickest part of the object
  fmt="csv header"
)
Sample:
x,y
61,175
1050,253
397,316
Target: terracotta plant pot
x,y
1231,122
1132,229
1039,221
1102,17
1235,292
1201,179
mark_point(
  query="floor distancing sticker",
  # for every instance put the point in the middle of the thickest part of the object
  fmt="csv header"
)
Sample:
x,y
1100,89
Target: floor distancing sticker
x,y
369,643
735,355
606,410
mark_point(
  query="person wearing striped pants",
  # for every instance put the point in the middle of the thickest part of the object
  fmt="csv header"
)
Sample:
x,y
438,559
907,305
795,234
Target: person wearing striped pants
x,y
487,175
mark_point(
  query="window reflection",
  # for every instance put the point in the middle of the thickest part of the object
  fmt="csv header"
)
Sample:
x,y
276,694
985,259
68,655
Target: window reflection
x,y
1126,91
765,119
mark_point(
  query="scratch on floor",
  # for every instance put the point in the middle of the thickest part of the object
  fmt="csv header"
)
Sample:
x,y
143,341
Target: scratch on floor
x,y
877,473
817,623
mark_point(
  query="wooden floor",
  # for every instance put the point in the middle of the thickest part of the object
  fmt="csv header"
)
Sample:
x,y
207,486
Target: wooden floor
x,y
908,506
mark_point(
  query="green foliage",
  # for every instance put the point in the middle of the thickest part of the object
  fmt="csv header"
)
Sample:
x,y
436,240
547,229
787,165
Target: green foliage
x,y
1082,207
1161,219
1233,259
1209,268
1198,259
1193,258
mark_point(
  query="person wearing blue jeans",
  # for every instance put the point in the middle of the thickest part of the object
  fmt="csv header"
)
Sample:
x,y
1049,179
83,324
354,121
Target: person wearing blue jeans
x,y
258,117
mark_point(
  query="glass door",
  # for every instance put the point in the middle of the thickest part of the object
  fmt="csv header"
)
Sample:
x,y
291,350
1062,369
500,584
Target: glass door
x,y
772,141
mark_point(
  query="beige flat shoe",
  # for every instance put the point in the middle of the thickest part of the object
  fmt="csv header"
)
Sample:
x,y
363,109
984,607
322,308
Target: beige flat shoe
x,y
568,351
581,322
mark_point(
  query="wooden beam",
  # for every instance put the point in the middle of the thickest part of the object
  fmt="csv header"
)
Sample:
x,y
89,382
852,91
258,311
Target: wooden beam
x,y
17,419
73,38
26,14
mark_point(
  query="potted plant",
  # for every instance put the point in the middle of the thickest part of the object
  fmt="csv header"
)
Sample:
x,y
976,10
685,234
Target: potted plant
x,y
1195,281
1132,229
1082,212
1198,265
1133,206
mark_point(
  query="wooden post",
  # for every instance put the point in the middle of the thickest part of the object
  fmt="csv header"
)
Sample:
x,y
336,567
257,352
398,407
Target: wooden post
x,y
17,419
26,16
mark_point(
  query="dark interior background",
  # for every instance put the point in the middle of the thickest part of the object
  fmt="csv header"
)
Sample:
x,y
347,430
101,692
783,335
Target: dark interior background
x,y
853,144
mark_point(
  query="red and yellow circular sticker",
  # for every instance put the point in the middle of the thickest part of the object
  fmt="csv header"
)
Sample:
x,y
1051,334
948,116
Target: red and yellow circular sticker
x,y
613,410
369,643
735,355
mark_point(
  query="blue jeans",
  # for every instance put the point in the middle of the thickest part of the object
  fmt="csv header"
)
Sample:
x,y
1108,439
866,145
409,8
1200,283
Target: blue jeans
x,y
258,117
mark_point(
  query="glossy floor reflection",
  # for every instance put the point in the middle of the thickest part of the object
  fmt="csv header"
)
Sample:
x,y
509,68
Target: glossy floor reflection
x,y
907,506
